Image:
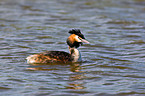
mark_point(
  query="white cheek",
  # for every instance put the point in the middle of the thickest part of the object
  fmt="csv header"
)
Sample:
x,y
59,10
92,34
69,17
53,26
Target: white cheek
x,y
77,39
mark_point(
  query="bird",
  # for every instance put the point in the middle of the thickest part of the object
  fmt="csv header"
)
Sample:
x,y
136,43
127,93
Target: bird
x,y
74,41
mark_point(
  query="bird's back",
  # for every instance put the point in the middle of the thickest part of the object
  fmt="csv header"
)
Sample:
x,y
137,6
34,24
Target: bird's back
x,y
50,57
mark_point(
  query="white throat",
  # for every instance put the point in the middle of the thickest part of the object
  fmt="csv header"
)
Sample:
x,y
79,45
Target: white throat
x,y
76,55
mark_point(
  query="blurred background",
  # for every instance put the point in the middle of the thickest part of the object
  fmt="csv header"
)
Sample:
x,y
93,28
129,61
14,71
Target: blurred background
x,y
113,63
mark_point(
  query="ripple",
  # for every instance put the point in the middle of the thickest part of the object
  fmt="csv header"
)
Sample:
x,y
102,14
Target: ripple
x,y
137,42
4,89
131,93
134,76
115,59
122,22
16,80
44,37
117,67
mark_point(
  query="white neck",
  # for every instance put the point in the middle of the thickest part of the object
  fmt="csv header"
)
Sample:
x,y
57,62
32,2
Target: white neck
x,y
76,55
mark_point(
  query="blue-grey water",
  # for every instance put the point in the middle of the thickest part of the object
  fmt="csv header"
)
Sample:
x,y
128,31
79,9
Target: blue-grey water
x,y
113,63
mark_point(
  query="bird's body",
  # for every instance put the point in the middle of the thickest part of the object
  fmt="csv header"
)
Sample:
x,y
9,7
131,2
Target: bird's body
x,y
73,41
50,57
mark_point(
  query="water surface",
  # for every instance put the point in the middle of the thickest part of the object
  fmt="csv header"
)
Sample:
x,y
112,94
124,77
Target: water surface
x,y
113,64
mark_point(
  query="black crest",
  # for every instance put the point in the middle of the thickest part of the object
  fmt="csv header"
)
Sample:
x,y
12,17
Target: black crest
x,y
77,32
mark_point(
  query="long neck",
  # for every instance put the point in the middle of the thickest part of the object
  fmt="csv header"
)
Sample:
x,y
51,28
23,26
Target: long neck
x,y
75,54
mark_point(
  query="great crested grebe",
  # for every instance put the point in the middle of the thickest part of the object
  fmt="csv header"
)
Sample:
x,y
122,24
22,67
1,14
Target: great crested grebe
x,y
74,41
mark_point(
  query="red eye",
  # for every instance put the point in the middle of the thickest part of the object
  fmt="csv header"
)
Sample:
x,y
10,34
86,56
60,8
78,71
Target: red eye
x,y
80,38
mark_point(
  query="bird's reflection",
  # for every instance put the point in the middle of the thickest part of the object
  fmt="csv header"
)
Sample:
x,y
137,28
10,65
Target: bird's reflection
x,y
41,67
75,67
75,80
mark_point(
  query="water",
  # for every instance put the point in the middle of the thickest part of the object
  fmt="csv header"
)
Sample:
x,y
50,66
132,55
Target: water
x,y
113,64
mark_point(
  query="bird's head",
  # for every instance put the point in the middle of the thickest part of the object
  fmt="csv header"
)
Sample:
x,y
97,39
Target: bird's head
x,y
76,38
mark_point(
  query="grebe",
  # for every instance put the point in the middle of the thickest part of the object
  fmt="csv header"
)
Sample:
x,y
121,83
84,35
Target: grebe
x,y
74,41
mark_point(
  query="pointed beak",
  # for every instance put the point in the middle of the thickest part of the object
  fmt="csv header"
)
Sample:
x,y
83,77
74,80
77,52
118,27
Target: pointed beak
x,y
85,41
